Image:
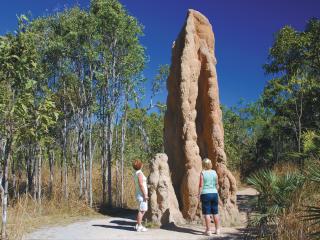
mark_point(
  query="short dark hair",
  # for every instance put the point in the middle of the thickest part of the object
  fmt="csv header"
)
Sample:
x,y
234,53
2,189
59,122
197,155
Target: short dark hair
x,y
137,164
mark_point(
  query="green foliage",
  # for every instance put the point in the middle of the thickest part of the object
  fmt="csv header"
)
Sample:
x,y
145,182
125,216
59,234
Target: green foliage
x,y
312,213
282,126
160,80
294,58
246,140
295,51
144,134
311,143
276,193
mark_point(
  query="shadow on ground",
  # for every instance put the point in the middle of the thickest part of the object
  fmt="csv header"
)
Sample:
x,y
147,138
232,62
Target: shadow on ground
x,y
175,228
121,224
127,221
246,202
120,227
117,212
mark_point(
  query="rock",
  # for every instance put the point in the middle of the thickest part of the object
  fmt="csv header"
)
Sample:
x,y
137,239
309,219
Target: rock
x,y
163,204
193,126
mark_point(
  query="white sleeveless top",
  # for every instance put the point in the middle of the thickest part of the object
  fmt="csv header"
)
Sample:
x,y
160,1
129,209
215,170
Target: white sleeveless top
x,y
139,194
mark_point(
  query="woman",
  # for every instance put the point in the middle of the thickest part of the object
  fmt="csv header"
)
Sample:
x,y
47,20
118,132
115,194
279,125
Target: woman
x,y
141,194
208,194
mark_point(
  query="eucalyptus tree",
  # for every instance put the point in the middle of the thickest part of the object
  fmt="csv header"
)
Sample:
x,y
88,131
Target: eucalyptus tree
x,y
52,48
73,58
292,93
70,22
83,53
21,71
122,60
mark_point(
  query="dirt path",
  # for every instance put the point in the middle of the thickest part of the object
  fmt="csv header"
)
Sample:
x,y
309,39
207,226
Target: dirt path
x,y
116,228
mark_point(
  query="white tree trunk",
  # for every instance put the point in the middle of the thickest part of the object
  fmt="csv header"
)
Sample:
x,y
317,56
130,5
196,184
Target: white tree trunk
x,y
90,162
123,137
109,158
51,165
80,155
4,188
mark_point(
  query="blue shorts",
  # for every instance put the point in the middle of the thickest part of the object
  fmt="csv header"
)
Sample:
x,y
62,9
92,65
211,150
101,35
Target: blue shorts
x,y
209,203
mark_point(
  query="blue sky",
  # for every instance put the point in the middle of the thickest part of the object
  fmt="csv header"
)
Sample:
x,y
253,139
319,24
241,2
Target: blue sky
x,y
244,32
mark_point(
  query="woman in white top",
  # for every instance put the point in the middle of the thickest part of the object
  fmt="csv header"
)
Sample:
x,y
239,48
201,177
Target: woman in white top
x,y
141,194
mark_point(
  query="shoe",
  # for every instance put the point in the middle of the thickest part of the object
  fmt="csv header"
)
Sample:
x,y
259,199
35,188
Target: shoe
x,y
218,231
208,233
141,229
136,227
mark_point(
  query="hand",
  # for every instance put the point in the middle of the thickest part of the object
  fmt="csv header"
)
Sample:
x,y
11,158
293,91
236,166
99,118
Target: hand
x,y
145,197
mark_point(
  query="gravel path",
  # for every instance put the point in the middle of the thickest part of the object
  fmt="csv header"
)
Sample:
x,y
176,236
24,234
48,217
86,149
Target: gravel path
x,y
120,228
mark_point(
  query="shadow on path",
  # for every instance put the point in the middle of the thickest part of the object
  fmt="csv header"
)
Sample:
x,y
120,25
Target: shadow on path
x,y
124,222
118,212
127,228
246,205
119,224
173,227
127,220
246,202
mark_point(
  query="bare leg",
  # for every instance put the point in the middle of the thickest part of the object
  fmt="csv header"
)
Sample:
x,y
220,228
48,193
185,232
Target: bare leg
x,y
207,220
216,221
139,217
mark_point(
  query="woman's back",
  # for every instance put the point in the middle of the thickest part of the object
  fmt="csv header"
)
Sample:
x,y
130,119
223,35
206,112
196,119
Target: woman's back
x,y
209,181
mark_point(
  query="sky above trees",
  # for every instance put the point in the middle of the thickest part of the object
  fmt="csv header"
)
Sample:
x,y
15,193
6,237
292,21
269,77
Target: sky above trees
x,y
244,31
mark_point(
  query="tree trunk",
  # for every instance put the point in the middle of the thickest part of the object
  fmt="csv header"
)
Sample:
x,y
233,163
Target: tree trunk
x,y
4,187
64,147
300,130
13,172
89,111
145,138
51,168
123,137
104,147
19,166
39,157
80,153
35,170
90,161
74,153
109,158
30,170
117,164
104,163
84,169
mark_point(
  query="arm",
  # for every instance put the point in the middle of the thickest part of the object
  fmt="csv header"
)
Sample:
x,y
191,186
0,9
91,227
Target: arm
x,y
217,182
200,184
140,180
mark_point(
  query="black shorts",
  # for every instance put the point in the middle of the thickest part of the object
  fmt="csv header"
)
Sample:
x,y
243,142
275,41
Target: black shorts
x,y
209,203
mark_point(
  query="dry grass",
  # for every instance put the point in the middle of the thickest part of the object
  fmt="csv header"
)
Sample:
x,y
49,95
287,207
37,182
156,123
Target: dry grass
x,y
291,224
282,168
128,193
25,214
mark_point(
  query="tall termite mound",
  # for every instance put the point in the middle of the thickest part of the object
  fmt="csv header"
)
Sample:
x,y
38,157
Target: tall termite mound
x,y
193,126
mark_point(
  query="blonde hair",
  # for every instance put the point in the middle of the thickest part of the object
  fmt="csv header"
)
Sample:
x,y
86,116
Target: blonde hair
x,y
206,164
